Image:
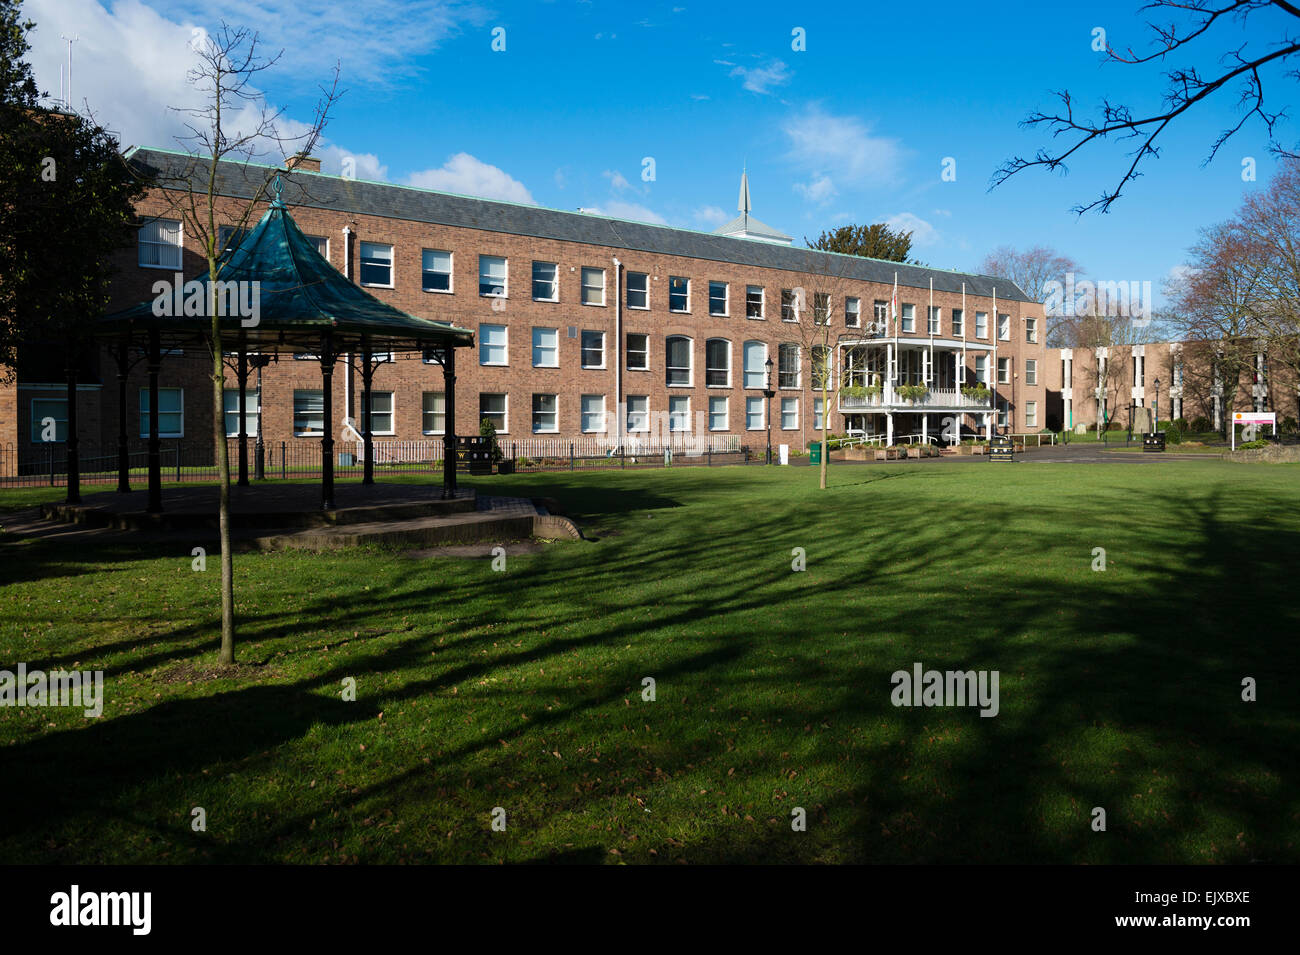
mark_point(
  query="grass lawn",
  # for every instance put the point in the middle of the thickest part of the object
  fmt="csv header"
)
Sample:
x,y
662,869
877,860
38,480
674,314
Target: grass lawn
x,y
477,689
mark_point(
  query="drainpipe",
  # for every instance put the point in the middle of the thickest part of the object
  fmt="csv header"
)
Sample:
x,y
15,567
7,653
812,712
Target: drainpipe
x,y
618,353
347,369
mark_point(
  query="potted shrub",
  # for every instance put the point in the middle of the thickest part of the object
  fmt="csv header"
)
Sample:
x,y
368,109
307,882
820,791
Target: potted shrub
x,y
979,391
912,393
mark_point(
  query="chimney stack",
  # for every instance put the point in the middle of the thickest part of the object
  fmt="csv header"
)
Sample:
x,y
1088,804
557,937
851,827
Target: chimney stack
x,y
302,161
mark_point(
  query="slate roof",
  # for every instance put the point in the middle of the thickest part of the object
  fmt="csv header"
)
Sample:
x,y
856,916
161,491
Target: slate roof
x,y
321,191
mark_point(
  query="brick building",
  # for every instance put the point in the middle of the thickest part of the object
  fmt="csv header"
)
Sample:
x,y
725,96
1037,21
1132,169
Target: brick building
x,y
587,326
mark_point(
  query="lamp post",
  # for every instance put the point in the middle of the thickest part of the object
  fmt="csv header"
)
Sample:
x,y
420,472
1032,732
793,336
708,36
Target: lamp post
x,y
768,393
1155,425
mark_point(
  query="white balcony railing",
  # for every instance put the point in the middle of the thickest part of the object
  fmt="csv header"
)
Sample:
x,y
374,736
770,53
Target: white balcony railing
x,y
936,398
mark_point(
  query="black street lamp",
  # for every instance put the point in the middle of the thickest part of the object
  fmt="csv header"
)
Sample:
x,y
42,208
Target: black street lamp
x,y
1155,425
768,393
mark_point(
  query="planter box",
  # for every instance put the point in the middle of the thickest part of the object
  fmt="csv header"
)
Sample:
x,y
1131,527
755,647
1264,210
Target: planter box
x,y
917,453
949,450
979,449
857,454
886,454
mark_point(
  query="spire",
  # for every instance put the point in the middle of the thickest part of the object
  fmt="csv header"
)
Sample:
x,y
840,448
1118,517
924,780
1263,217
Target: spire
x,y
744,205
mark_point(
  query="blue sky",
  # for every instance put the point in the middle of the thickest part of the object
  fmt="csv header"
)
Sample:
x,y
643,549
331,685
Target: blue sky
x,y
853,129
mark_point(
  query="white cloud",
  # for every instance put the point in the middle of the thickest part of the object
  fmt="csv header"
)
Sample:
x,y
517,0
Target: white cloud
x,y
699,96
619,209
841,148
923,233
364,165
375,41
761,79
616,179
820,189
466,175
711,215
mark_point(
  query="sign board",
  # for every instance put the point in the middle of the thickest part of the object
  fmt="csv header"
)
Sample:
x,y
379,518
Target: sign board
x,y
475,454
1001,448
1153,441
784,451
1251,420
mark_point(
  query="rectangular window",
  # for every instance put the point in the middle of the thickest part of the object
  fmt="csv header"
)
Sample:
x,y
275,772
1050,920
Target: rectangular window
x,y
821,360
788,366
958,323
308,413
981,324
376,264
322,245
932,320
909,318
789,414
638,413
1004,371
718,298
546,348
678,361
171,412
159,244
593,414
638,352
754,301
982,369
1031,371
56,410
755,370
717,363
821,308
492,273
818,406
718,414
852,312
679,413
1031,330
593,349
880,309
435,270
230,404
492,407
787,306
679,294
435,413
593,286
1031,414
545,416
381,412
753,414
1004,328
1002,413
492,345
546,282
638,290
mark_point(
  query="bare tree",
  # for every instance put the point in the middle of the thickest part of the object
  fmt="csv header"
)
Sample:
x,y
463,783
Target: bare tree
x,y
235,123
1032,270
1186,88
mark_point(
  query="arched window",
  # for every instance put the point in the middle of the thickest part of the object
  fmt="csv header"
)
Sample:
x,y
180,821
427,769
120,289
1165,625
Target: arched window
x,y
755,370
677,358
717,362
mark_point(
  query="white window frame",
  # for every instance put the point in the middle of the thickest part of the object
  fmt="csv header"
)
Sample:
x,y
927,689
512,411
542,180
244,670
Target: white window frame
x,y
679,409
587,287
726,412
554,348
1031,371
554,413
707,368
1004,327
1004,371
392,264
504,413
726,298
425,412
958,322
744,366
762,302
483,344
785,402
798,367
630,352
582,347
1031,415
934,320
690,361
178,245
637,410
687,309
450,273
1031,331
852,311
819,410
483,260
981,322
554,281
584,414
644,290
752,401
391,412
144,414
250,412
907,317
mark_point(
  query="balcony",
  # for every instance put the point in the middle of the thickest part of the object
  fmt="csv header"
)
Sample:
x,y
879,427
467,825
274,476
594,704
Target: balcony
x,y
936,399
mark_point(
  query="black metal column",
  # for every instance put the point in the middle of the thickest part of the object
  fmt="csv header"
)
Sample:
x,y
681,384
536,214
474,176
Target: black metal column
x,y
74,464
123,455
327,438
241,375
367,438
449,439
155,447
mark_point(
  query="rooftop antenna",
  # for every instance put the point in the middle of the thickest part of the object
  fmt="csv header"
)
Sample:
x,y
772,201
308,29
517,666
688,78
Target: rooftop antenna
x,y
71,40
